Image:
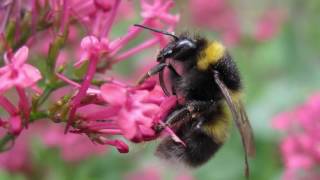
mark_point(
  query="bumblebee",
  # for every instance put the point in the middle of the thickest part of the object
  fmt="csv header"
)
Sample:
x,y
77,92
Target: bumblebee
x,y
210,86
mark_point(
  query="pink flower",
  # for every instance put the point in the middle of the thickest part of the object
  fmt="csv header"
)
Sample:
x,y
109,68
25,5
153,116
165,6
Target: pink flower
x,y
18,158
269,25
217,15
156,173
72,146
145,174
136,109
96,48
300,147
16,73
102,113
15,125
91,46
158,9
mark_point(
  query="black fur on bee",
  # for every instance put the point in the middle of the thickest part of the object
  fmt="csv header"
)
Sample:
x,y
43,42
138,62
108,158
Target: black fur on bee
x,y
210,84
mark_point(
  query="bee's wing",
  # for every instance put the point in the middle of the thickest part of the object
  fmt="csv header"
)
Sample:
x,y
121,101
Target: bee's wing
x,y
247,130
241,119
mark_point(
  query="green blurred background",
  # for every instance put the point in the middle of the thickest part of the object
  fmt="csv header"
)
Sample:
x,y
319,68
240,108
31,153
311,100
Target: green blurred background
x,y
279,72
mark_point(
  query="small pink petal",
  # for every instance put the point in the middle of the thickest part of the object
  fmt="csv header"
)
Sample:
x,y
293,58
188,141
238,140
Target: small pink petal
x,y
103,5
113,94
120,145
15,125
31,73
90,43
20,56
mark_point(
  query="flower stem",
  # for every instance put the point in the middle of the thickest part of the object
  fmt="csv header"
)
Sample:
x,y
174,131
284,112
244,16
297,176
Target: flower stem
x,y
4,142
7,105
83,90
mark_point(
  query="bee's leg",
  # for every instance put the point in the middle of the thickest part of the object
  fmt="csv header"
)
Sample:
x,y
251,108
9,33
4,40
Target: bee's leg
x,y
174,76
156,69
196,107
193,109
177,115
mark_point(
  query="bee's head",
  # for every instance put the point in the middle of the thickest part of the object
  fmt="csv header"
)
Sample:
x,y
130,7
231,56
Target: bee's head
x,y
179,49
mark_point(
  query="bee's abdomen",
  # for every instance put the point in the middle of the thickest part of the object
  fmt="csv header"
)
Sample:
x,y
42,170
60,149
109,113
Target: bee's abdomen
x,y
198,150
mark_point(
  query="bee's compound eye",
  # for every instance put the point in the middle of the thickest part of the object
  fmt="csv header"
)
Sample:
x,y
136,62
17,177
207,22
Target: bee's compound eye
x,y
185,44
183,49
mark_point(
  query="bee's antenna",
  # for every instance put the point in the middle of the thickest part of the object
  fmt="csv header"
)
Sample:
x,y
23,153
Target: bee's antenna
x,y
158,31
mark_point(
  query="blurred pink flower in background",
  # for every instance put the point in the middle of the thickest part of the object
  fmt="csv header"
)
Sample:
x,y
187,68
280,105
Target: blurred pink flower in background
x,y
157,173
300,148
72,146
18,158
145,174
217,15
269,24
221,17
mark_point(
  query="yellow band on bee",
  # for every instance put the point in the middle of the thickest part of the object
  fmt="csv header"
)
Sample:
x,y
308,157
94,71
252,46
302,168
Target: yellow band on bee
x,y
211,54
218,129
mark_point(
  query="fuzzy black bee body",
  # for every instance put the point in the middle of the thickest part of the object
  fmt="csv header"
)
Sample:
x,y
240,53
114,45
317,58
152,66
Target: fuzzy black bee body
x,y
210,85
196,85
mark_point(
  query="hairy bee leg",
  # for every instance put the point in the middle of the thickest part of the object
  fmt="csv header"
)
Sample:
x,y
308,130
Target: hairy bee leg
x,y
159,69
199,106
156,69
163,84
177,115
192,109
174,76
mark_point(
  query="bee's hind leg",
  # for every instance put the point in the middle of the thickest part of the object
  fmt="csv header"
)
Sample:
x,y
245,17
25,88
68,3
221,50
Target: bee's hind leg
x,y
191,110
199,123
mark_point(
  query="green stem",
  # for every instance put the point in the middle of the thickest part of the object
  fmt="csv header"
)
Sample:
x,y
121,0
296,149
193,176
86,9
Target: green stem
x,y
4,142
44,95
34,116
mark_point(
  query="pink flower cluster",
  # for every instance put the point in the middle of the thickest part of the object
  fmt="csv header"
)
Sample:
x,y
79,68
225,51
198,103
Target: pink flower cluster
x,y
72,147
16,74
300,148
221,17
155,173
96,104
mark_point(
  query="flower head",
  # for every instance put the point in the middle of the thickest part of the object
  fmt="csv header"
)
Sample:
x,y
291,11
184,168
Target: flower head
x,y
300,148
16,73
137,108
